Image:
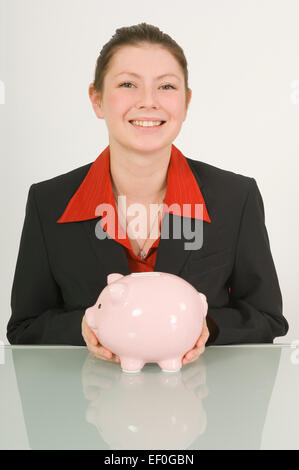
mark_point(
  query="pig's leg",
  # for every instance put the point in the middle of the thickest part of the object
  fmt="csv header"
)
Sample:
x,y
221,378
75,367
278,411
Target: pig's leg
x,y
171,365
131,365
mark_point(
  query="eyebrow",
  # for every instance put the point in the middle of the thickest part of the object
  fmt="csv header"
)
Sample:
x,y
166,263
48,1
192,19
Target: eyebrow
x,y
138,76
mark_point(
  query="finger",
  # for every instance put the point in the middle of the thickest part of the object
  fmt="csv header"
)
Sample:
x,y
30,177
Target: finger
x,y
193,355
189,354
98,353
90,336
108,354
87,333
113,358
116,358
200,350
203,337
103,353
196,351
94,345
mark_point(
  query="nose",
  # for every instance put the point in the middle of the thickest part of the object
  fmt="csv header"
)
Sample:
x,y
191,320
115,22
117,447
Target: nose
x,y
147,98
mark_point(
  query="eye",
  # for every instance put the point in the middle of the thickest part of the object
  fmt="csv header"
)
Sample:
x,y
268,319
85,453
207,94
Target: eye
x,y
126,83
99,305
169,85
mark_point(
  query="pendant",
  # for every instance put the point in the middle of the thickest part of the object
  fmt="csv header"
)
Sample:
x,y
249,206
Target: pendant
x,y
142,254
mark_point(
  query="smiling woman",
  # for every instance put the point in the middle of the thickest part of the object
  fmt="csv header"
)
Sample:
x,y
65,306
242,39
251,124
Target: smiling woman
x,y
141,91
150,103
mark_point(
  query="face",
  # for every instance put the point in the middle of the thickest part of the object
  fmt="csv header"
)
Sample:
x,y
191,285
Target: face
x,y
142,83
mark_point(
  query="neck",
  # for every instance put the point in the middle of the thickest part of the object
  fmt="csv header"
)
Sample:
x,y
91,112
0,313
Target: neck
x,y
142,177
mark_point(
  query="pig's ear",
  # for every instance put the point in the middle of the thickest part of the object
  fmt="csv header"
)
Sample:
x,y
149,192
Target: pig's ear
x,y
116,292
204,303
113,277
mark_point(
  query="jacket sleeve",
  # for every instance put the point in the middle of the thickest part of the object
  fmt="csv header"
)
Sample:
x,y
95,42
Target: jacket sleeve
x,y
37,312
254,314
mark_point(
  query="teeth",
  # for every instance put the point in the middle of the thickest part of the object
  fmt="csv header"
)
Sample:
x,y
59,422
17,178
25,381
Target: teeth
x,y
147,123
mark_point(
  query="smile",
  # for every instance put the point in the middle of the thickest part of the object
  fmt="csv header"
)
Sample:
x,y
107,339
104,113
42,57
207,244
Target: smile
x,y
147,123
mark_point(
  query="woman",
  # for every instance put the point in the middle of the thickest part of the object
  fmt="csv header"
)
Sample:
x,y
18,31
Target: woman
x,y
141,90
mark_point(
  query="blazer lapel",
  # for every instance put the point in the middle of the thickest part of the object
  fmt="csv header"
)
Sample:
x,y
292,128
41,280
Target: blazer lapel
x,y
110,254
172,253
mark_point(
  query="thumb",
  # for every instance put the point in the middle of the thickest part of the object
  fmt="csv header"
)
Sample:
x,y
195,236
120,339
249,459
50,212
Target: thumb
x,y
91,336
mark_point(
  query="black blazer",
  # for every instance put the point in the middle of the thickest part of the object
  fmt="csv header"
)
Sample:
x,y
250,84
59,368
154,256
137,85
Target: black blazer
x,y
62,267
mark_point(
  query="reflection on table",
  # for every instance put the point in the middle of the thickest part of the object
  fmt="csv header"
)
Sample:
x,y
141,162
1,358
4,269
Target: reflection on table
x,y
70,400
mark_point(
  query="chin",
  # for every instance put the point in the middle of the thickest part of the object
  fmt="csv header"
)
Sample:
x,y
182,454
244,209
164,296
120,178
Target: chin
x,y
145,145
150,150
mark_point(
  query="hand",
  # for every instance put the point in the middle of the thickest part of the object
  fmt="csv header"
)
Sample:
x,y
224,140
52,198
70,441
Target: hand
x,y
199,347
93,345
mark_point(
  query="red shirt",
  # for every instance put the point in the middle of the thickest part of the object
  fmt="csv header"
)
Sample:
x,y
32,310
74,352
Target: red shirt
x,y
96,189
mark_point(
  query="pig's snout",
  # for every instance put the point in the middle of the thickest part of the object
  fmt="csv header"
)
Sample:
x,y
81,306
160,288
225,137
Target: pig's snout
x,y
90,317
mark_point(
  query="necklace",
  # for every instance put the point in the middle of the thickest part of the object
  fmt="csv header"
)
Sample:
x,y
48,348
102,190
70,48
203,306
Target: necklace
x,y
142,253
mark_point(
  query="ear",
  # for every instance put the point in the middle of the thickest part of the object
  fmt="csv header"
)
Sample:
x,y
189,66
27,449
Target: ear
x,y
117,292
95,99
189,94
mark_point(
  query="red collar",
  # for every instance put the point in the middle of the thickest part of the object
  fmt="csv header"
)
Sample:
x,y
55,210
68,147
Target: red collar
x,y
96,189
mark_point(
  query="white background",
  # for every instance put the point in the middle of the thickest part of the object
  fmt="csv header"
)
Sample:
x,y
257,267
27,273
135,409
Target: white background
x,y
243,58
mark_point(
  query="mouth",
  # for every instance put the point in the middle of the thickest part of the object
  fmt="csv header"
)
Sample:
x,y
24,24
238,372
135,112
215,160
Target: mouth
x,y
151,126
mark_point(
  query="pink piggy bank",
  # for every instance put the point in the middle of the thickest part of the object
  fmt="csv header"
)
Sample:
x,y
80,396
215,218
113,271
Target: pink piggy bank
x,y
148,317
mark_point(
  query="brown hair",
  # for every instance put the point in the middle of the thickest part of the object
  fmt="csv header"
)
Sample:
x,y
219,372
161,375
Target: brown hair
x,y
137,35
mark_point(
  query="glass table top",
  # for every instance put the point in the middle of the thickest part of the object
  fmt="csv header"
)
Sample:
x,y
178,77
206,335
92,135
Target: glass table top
x,y
232,397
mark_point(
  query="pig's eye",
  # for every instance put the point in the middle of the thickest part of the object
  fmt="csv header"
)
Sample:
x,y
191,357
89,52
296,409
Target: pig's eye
x,y
99,305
